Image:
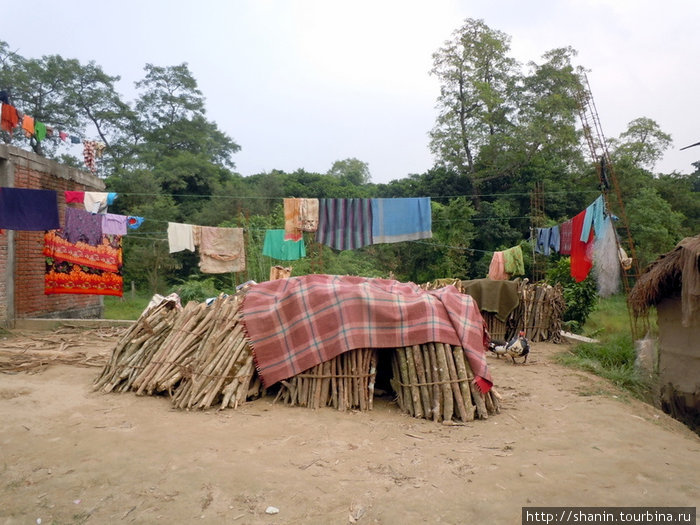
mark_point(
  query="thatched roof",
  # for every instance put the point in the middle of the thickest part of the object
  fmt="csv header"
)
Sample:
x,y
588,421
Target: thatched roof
x,y
673,273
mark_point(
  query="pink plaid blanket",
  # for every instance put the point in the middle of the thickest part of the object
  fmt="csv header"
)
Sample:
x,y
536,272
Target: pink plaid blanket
x,y
296,323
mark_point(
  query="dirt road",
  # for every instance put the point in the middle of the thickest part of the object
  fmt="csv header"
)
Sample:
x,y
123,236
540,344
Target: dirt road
x,y
69,455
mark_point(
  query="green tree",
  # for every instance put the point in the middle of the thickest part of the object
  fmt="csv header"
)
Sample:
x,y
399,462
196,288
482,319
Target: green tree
x,y
352,170
643,142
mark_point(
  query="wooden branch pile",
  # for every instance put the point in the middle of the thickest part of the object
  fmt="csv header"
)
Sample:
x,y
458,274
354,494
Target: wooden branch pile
x,y
435,381
198,355
539,313
344,382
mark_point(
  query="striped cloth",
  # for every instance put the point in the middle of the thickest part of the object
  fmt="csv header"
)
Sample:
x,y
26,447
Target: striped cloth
x,y
294,324
344,224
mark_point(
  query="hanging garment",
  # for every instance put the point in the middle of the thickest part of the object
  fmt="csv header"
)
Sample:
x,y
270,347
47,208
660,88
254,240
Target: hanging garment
x,y
113,224
79,269
63,136
74,140
308,215
100,149
513,261
75,196
606,263
89,155
565,235
28,125
111,197
221,250
344,224
277,247
40,131
594,218
554,240
133,222
4,97
95,201
625,261
541,239
581,252
497,271
180,237
10,118
291,219
83,226
397,220
27,209
499,297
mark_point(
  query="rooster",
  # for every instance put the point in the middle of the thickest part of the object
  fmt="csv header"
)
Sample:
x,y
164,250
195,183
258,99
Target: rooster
x,y
516,347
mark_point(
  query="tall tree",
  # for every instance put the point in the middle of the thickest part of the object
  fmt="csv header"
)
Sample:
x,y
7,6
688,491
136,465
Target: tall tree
x,y
643,142
353,171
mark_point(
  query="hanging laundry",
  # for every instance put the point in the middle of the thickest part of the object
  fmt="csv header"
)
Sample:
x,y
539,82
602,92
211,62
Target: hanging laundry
x,y
291,219
63,136
606,262
300,215
96,201
581,252
99,149
28,209
133,222
565,233
308,215
75,196
547,239
81,225
397,220
111,197
4,97
180,237
74,139
221,250
513,261
89,155
28,125
40,131
10,118
80,269
625,261
49,131
113,224
497,271
593,218
344,224
276,246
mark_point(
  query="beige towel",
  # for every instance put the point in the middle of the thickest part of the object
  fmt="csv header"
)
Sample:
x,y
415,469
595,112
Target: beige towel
x,y
180,237
221,250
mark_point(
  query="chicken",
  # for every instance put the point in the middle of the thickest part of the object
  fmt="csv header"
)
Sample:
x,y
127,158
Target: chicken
x,y
516,347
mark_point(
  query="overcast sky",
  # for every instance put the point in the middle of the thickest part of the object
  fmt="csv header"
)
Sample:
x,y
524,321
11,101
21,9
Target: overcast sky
x,y
302,83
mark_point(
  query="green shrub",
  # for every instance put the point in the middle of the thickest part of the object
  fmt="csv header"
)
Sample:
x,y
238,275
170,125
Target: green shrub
x,y
580,297
196,290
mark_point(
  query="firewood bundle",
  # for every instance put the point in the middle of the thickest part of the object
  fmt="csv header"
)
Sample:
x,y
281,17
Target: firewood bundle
x,y
435,381
540,312
199,355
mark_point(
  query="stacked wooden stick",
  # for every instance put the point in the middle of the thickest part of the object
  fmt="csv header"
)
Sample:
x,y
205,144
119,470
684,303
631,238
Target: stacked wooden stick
x,y
198,355
344,382
435,381
540,312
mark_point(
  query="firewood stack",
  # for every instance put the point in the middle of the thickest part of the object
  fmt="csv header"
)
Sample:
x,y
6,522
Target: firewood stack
x,y
199,356
540,312
435,381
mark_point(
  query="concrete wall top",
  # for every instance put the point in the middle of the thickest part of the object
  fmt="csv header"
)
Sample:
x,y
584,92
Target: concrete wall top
x,y
34,162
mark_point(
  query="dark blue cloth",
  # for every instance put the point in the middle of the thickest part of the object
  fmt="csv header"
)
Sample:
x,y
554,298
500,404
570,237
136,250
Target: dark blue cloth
x,y
29,210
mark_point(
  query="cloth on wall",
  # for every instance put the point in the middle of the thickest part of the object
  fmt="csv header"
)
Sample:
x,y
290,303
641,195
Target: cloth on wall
x,y
565,235
497,271
344,224
81,225
606,262
581,252
222,250
89,155
82,269
113,224
28,209
97,201
180,237
397,220
513,261
276,246
593,219
10,118
75,197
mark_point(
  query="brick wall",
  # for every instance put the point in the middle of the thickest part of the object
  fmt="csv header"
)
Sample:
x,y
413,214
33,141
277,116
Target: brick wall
x,y
27,170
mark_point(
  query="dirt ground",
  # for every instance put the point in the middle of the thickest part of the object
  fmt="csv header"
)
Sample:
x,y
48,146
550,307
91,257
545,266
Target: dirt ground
x,y
563,437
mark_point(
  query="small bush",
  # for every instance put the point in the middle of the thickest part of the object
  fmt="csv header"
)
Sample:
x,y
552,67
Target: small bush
x,y
195,290
580,297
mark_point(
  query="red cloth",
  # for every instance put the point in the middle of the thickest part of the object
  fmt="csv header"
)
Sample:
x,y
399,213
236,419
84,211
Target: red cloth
x,y
294,324
565,238
581,252
10,118
75,196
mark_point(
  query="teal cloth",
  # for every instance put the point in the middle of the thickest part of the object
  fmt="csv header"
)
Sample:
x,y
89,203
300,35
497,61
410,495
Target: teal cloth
x,y
594,217
276,247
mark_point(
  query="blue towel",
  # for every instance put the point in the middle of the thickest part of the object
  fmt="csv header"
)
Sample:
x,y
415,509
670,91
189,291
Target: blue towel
x,y
396,220
29,210
594,217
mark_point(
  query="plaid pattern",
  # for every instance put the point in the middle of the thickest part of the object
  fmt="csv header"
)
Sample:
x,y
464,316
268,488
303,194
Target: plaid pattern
x,y
296,323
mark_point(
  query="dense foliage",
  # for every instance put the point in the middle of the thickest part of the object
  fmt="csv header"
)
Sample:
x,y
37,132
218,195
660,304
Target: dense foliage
x,y
500,129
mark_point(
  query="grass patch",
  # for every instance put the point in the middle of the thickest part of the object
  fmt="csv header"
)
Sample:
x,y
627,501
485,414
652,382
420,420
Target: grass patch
x,y
125,307
612,359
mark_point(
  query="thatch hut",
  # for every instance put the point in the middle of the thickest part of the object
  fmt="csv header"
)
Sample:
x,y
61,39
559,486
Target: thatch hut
x,y
672,284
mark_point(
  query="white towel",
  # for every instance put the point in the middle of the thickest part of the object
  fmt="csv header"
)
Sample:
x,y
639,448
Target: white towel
x,y
180,237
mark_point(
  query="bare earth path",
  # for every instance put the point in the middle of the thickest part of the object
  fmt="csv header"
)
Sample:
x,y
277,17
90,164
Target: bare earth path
x,y
69,455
